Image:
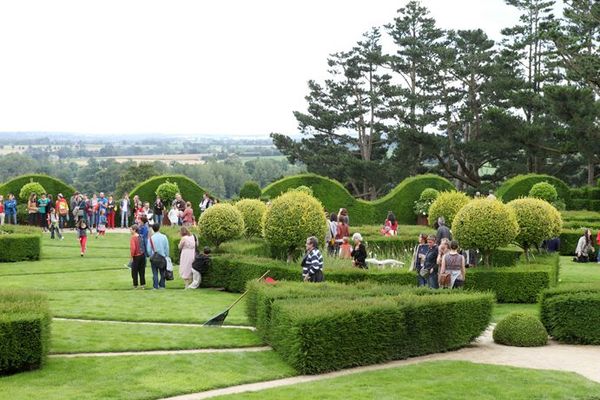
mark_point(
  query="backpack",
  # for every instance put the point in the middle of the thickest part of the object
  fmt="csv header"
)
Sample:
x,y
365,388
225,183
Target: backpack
x,y
201,261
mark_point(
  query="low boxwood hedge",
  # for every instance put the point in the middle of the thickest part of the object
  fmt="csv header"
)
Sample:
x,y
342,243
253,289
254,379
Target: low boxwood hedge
x,y
19,243
24,330
521,330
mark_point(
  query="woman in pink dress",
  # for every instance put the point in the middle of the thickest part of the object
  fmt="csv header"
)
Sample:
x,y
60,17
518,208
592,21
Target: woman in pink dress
x,y
187,246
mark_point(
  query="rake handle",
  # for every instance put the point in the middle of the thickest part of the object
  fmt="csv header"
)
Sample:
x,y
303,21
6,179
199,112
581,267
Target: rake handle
x,y
246,292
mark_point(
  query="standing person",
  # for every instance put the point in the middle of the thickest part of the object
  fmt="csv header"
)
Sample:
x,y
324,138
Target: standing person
x,y
442,231
73,205
81,228
2,211
443,249
359,252
331,233
344,213
111,209
55,225
454,263
159,209
94,211
32,210
158,244
188,218
173,215
43,203
342,230
124,206
205,203
312,263
584,247
419,258
63,211
138,264
101,227
430,263
200,265
180,204
187,246
10,208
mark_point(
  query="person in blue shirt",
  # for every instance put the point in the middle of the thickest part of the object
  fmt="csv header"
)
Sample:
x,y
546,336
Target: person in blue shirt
x,y
159,244
10,209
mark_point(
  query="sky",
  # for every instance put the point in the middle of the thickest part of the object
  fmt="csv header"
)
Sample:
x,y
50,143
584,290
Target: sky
x,y
186,67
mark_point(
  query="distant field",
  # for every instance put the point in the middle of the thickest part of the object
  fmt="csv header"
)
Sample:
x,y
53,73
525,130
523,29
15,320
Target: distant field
x,y
167,158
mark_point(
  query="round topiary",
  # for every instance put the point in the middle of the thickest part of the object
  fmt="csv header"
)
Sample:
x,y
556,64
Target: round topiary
x,y
446,205
520,329
429,194
31,187
250,190
303,188
426,198
544,191
252,211
292,218
220,223
538,220
485,224
167,191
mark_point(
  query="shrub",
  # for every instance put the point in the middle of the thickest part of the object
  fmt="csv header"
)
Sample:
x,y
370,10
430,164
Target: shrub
x,y
537,220
521,330
427,198
485,224
250,190
167,191
520,185
304,189
220,223
292,218
252,211
19,243
447,205
544,191
29,188
51,185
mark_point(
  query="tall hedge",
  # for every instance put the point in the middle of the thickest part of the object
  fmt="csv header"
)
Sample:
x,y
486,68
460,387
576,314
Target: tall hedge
x,y
190,191
52,185
520,185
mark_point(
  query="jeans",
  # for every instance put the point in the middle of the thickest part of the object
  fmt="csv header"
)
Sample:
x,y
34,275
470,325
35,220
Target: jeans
x,y
158,218
63,221
156,282
124,219
138,268
420,280
433,281
91,220
55,229
11,217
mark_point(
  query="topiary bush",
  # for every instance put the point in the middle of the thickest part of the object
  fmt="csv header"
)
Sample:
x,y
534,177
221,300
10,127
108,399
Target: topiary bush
x,y
520,185
521,330
292,218
51,185
29,188
425,201
220,223
190,191
304,189
167,191
447,205
250,190
485,224
538,221
252,211
544,191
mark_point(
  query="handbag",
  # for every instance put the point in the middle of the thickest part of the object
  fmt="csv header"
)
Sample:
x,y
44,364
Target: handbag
x,y
157,259
169,275
444,280
424,272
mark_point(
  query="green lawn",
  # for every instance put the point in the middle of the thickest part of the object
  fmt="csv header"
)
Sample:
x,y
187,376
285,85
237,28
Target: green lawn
x,y
440,380
572,272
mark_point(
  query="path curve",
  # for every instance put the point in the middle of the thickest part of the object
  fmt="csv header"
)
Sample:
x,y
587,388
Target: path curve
x,y
162,352
250,328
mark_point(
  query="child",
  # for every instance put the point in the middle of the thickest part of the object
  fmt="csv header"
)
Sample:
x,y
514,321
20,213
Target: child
x,y
173,215
345,249
54,225
200,265
82,227
101,228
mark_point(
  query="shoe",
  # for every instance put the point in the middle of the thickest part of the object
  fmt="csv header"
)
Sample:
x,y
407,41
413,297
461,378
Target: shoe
x,y
143,287
81,254
62,238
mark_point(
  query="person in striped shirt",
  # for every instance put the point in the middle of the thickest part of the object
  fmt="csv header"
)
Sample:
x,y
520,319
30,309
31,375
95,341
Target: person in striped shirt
x,y
312,263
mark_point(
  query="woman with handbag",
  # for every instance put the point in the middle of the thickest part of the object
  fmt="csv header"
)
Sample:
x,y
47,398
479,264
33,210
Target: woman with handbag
x,y
452,270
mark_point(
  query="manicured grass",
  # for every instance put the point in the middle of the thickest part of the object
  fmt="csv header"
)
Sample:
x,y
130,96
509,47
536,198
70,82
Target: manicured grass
x,y
440,380
572,272
87,337
141,377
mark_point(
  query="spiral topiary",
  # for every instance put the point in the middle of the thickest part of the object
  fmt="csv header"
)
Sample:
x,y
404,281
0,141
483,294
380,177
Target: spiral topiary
x,y
538,220
485,224
447,205
167,191
250,190
220,223
31,187
292,217
544,191
252,211
521,330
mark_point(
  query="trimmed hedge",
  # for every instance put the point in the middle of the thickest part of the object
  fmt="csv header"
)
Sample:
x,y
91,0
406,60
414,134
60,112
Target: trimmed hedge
x,y
51,185
521,330
520,185
24,330
334,196
19,243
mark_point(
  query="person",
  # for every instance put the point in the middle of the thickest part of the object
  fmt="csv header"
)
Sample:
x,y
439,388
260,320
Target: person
x,y
93,211
73,206
63,211
124,207
138,264
418,260
32,210
159,209
331,232
344,213
180,205
442,231
188,218
187,246
597,242
312,263
55,225
2,212
10,208
390,227
173,215
584,247
102,204
158,243
138,210
111,210
491,195
201,265
42,217
430,263
205,203
345,248
342,230
454,263
101,227
82,227
359,252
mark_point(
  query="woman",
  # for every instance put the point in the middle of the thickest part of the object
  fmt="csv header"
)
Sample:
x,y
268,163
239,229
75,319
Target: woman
x,y
359,252
342,230
43,204
188,215
10,208
187,246
159,209
111,209
390,227
138,267
418,258
32,210
344,213
454,264
173,215
125,205
2,213
584,247
330,237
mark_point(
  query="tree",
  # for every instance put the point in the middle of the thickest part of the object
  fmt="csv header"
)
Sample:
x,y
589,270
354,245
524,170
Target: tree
x,y
134,175
220,223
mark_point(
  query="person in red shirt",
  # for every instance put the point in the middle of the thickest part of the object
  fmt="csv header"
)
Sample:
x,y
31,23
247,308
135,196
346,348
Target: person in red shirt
x,y
138,264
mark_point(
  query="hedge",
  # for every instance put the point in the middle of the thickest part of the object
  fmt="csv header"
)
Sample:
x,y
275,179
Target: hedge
x,y
569,239
19,243
585,198
571,314
520,185
24,330
334,196
52,185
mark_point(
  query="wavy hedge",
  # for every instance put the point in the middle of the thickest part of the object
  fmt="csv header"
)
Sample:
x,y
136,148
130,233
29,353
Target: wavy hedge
x,y
19,243
52,185
520,185
24,330
334,196
190,190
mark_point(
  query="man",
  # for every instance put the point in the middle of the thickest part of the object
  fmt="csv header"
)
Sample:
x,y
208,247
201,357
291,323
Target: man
x,y
63,211
124,205
159,244
312,264
205,203
180,205
442,232
430,262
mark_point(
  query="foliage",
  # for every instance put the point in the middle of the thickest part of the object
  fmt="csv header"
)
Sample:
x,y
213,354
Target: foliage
x,y
520,185
220,223
426,198
485,224
189,190
538,221
304,189
520,329
568,241
544,191
133,174
19,243
252,211
250,190
29,188
167,191
49,185
293,217
447,205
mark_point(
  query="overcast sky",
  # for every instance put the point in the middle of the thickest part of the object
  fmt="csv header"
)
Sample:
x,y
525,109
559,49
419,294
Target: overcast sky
x,y
185,67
